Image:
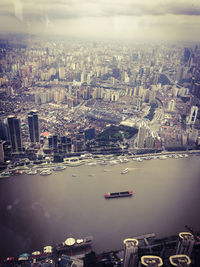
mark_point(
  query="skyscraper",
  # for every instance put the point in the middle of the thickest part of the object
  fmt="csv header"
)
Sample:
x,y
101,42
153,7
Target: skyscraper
x,y
33,124
193,115
185,243
171,105
55,143
180,260
142,134
15,136
130,252
151,261
139,103
1,152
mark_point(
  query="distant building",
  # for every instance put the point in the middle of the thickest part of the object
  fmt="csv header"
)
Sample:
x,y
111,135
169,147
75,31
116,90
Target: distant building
x,y
69,144
63,141
33,125
4,130
55,143
50,142
61,72
196,89
171,105
139,103
191,119
98,93
149,142
78,145
174,90
70,261
1,152
15,137
142,133
89,133
192,136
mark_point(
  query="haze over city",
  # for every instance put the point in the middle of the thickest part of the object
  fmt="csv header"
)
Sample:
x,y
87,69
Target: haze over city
x,y
155,20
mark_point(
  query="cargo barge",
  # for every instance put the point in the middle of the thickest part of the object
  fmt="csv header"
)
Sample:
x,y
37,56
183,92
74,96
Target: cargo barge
x,y
119,194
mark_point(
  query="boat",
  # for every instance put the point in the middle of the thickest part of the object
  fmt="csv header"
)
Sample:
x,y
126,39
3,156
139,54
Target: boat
x,y
75,163
45,172
5,175
92,164
163,157
71,243
125,171
59,168
119,194
123,160
103,162
31,172
139,159
113,162
16,172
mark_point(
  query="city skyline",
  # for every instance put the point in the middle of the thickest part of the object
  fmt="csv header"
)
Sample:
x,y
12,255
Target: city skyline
x,y
130,20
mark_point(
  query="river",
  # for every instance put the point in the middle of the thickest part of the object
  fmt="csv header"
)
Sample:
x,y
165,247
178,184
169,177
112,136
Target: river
x,y
44,210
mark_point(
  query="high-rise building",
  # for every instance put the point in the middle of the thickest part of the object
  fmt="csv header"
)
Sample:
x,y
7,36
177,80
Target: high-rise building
x,y
15,136
88,79
33,125
174,90
193,115
180,260
50,142
151,261
89,133
82,77
185,243
171,105
4,130
139,103
130,252
61,72
69,144
149,142
55,143
142,133
1,152
63,141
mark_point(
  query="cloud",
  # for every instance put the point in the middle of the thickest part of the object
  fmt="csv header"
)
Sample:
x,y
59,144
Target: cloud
x,y
163,18
62,9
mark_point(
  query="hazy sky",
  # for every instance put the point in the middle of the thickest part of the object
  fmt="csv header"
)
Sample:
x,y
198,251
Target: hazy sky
x,y
131,19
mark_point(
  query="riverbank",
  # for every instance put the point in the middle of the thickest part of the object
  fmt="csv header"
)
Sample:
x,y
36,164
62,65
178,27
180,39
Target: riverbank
x,y
92,160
